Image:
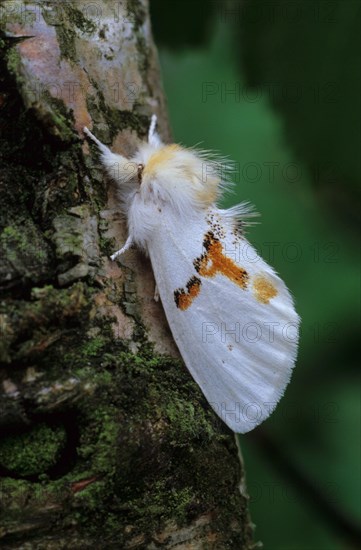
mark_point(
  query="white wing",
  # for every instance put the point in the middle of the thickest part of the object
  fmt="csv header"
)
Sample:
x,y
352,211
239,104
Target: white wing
x,y
231,316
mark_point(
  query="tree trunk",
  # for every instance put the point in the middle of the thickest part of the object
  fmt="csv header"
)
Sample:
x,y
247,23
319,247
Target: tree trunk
x,y
106,440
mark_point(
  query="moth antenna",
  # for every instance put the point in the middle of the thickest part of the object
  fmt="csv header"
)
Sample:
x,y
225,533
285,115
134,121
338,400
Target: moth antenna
x,y
153,124
103,148
118,167
153,137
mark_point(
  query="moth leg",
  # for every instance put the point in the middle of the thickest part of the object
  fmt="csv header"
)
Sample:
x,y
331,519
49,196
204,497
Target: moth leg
x,y
156,293
127,245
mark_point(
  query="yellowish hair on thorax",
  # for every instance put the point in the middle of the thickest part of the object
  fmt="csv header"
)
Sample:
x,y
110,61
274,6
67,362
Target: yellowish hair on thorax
x,y
160,158
210,195
185,171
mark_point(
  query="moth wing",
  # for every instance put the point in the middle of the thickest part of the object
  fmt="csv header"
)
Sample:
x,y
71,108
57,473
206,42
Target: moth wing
x,y
230,314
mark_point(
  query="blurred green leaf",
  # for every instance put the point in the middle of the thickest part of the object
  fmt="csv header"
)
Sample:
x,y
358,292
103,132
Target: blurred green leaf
x,y
307,56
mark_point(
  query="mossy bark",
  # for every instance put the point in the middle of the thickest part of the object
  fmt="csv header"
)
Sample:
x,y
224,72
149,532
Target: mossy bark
x,y
106,441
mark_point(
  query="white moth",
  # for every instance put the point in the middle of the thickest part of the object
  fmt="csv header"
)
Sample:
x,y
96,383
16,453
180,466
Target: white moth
x,y
231,316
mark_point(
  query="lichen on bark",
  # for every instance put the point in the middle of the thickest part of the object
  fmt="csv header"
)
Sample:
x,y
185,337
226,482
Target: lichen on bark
x,y
106,441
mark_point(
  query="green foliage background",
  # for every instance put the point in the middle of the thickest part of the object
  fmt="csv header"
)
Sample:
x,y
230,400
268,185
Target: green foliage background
x,y
294,70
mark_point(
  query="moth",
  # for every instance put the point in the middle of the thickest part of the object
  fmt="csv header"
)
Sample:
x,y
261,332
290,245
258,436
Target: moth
x,y
231,316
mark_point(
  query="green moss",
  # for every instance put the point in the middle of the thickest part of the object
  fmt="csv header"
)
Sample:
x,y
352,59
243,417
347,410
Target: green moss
x,y
118,120
147,446
66,39
33,452
181,416
143,54
24,253
115,119
28,326
62,124
137,13
13,61
16,240
98,439
94,346
66,30
163,497
107,245
59,116
13,236
80,21
14,494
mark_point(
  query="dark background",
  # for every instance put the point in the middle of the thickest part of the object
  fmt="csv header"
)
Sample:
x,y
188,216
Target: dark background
x,y
276,86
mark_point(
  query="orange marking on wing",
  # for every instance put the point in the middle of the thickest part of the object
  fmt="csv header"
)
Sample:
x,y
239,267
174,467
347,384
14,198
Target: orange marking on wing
x,y
214,261
184,299
211,263
264,290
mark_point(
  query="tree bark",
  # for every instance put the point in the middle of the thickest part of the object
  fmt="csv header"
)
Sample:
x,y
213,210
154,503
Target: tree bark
x,y
106,441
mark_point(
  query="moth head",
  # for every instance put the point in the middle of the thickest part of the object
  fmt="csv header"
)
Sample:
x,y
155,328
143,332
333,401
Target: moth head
x,y
167,174
179,176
